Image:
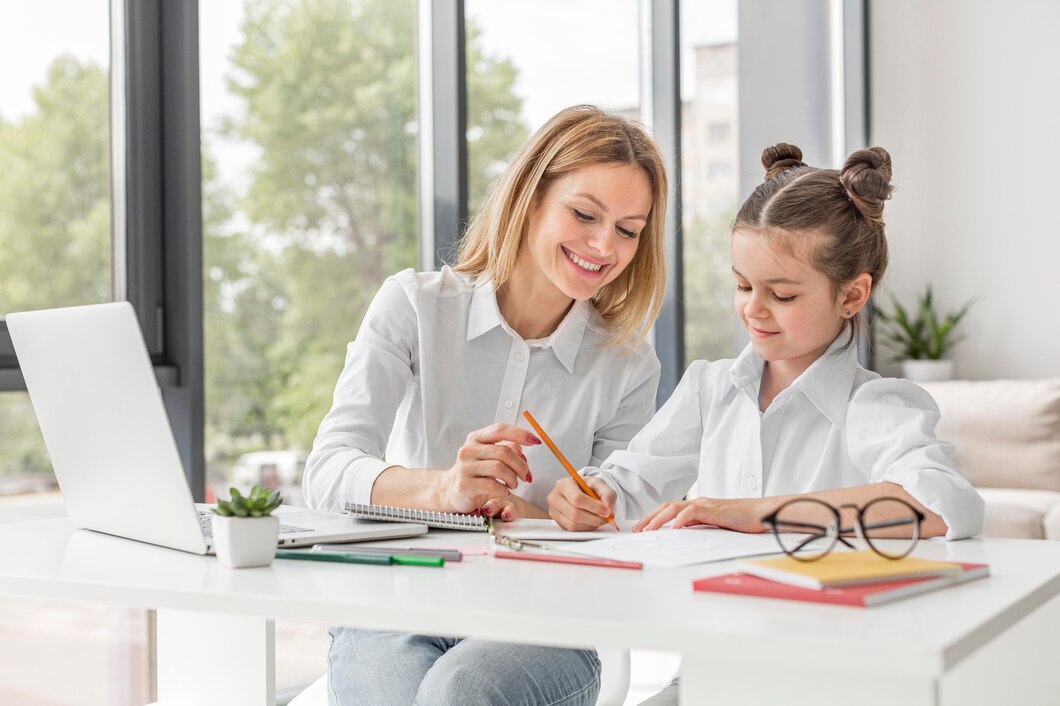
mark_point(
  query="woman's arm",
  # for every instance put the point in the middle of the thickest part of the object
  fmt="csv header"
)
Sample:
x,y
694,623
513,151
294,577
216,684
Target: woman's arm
x,y
347,462
488,467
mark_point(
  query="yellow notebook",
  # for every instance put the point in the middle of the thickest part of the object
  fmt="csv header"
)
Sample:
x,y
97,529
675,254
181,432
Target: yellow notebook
x,y
845,569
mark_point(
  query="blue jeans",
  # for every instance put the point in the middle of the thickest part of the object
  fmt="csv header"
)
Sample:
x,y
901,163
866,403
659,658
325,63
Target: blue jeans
x,y
380,668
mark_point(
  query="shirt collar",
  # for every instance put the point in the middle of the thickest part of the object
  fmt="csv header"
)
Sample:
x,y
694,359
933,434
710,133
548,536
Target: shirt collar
x,y
484,315
826,383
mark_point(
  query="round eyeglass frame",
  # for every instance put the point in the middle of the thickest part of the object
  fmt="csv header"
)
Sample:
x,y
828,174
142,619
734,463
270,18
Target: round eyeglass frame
x,y
835,533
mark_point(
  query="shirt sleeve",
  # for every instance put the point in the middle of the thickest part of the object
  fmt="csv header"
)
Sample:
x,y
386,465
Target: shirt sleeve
x,y
635,408
348,451
891,437
662,460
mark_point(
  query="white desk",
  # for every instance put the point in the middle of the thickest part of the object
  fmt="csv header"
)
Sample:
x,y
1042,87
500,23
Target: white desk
x,y
215,639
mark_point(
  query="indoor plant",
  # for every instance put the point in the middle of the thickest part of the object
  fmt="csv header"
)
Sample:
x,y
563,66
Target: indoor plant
x,y
245,532
921,338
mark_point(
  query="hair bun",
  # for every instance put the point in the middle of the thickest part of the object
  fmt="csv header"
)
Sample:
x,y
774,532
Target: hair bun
x,y
866,176
780,158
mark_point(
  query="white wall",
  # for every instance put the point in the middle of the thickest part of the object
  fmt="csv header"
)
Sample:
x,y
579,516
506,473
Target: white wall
x,y
965,94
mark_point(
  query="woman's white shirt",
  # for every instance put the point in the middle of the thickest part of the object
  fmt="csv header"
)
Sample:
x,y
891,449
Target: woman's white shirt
x,y
434,360
838,425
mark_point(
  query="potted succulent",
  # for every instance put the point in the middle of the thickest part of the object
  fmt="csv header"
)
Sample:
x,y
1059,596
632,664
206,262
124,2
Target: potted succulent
x,y
245,532
921,338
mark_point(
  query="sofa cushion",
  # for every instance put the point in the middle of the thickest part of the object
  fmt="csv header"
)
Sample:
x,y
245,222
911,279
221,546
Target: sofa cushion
x,y
1051,523
1020,513
1007,432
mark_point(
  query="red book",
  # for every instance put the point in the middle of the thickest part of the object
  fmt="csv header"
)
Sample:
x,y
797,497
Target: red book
x,y
865,594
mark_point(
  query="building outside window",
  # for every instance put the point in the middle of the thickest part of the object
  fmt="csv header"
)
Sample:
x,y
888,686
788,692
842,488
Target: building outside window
x,y
710,188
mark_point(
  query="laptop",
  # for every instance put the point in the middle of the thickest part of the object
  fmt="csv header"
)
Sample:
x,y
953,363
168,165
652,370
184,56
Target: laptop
x,y
104,424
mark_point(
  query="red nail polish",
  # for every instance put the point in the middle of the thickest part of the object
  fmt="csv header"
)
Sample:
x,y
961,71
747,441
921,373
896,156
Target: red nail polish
x,y
533,439
506,516
523,455
529,477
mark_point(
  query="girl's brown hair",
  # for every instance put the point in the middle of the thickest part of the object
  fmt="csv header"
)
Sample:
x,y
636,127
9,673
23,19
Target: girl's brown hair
x,y
841,210
577,137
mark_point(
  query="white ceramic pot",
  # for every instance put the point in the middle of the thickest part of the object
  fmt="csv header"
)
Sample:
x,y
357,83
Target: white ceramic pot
x,y
927,370
240,542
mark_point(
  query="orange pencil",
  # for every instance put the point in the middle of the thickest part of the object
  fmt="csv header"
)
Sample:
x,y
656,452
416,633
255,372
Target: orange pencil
x,y
566,464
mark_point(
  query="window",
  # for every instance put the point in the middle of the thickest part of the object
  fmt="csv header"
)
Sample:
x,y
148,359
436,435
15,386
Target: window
x,y
54,191
55,250
710,190
309,133
719,132
515,84
719,169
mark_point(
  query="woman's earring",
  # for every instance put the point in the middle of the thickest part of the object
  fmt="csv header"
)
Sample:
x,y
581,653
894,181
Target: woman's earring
x,y
847,313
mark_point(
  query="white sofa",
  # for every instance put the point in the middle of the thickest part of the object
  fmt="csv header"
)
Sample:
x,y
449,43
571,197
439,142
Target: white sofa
x,y
1007,436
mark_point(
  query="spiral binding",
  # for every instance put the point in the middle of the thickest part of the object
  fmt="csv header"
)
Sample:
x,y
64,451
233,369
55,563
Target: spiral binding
x,y
431,518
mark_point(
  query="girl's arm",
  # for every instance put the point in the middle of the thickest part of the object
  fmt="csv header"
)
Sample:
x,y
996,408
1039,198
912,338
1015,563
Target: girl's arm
x,y
745,514
890,437
660,463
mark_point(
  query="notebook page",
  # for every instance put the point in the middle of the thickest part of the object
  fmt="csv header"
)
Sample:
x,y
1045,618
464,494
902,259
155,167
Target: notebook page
x,y
667,548
548,530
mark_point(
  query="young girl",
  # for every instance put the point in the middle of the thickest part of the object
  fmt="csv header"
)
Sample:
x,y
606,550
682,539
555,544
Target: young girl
x,y
794,414
546,309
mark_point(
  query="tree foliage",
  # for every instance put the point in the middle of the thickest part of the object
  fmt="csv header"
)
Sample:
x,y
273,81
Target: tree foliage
x,y
293,255
54,220
328,94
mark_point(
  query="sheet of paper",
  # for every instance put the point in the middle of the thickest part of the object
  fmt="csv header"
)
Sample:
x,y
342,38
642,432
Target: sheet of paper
x,y
549,531
669,547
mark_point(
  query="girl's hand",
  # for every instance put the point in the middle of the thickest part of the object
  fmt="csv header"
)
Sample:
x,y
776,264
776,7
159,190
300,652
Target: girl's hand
x,y
512,508
488,466
741,515
574,510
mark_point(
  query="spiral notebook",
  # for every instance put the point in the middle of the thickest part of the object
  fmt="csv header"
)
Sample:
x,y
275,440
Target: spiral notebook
x,y
431,518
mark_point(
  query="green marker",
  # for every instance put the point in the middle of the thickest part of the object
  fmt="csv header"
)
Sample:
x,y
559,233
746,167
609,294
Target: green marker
x,y
355,558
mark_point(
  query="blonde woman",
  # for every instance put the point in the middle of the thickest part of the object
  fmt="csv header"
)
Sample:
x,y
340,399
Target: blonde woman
x,y
557,279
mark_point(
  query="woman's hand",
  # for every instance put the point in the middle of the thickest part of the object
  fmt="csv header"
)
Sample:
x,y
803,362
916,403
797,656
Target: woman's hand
x,y
488,466
574,510
741,515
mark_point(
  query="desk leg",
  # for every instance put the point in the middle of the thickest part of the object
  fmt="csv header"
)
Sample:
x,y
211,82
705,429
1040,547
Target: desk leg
x,y
720,681
215,658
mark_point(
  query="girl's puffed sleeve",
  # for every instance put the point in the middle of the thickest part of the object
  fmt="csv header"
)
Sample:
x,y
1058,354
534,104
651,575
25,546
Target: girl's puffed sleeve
x,y
890,436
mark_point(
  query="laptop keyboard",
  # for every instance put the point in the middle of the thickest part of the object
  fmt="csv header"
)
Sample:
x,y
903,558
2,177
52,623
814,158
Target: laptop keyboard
x,y
206,523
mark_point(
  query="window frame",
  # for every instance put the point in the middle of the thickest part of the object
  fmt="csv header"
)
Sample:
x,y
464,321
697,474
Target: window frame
x,y
156,222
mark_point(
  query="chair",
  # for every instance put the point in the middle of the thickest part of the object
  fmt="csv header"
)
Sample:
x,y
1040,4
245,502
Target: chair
x,y
614,682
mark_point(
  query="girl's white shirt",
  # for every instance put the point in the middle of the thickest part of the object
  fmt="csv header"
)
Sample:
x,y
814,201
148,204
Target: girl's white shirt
x,y
434,360
837,425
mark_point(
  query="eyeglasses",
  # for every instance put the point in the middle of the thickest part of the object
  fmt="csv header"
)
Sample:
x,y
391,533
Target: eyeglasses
x,y
808,529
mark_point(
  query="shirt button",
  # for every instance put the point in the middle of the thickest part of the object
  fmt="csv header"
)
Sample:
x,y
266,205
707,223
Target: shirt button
x,y
519,356
754,483
507,404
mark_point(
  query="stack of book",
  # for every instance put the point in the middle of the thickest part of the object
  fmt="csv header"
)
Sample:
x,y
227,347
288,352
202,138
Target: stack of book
x,y
844,578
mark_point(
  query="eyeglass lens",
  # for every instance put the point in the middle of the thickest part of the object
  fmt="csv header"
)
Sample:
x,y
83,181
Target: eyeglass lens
x,y
892,520
806,529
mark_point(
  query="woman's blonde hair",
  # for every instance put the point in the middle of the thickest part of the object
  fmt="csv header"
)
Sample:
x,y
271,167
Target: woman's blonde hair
x,y
574,138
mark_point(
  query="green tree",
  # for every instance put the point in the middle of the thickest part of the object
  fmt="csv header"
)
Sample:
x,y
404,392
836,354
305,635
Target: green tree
x,y
54,204
710,324
328,93
54,220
